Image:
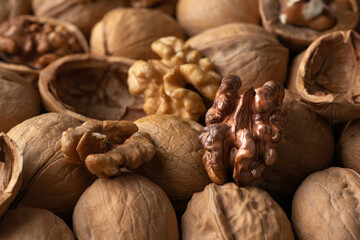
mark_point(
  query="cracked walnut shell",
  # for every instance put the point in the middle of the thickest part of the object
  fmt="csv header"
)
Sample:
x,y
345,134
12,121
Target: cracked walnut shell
x,y
49,181
105,147
125,207
164,82
33,223
326,205
229,212
116,35
90,87
11,168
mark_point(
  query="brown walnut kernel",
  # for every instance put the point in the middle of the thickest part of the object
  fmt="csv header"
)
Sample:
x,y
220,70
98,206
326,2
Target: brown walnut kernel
x,y
104,147
251,122
164,81
36,42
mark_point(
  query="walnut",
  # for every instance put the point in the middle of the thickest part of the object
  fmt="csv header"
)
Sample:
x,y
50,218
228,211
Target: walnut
x,y
33,223
229,212
196,16
299,22
28,44
126,207
348,146
19,100
176,166
116,35
12,8
326,205
49,181
105,147
163,82
251,122
83,14
89,87
167,6
11,168
245,50
325,76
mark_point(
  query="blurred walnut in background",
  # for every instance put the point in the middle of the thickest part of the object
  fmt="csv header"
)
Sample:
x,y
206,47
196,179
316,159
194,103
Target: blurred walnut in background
x,y
12,8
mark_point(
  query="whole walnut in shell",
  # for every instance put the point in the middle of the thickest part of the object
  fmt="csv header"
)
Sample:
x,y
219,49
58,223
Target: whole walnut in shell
x,y
326,205
90,87
18,100
176,166
12,8
167,6
33,223
126,207
229,212
348,146
116,35
28,44
326,75
246,50
299,22
83,14
196,16
49,181
11,167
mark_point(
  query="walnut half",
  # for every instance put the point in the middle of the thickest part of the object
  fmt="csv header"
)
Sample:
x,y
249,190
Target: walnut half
x,y
106,146
251,122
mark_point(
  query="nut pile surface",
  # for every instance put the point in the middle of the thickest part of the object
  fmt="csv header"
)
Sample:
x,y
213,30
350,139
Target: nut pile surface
x,y
180,119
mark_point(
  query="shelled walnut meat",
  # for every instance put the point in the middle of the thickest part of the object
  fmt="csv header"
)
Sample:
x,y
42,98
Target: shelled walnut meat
x,y
33,223
245,50
18,100
49,181
176,166
196,16
251,122
229,212
348,146
83,14
105,147
299,22
90,87
11,168
326,205
28,43
129,32
126,207
166,83
326,75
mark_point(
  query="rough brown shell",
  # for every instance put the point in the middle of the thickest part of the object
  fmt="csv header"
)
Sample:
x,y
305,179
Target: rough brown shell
x,y
115,34
326,205
326,75
229,212
49,181
18,100
196,16
297,38
11,167
245,50
89,87
126,207
11,8
33,223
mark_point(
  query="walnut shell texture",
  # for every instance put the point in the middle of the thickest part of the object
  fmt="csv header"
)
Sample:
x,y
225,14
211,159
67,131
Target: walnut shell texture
x,y
18,100
90,87
115,34
326,75
229,212
49,181
245,50
126,207
326,205
33,223
196,16
176,166
11,167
